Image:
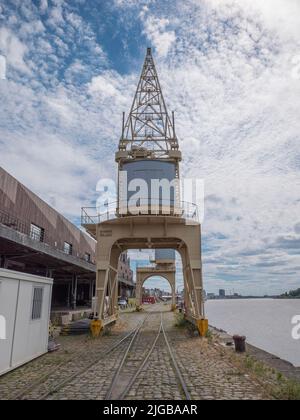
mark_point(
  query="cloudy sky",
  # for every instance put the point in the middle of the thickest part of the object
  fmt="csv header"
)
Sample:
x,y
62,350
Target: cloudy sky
x,y
231,71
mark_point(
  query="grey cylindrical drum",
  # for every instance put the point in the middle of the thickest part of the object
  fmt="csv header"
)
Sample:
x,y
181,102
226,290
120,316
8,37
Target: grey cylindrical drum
x,y
164,255
151,185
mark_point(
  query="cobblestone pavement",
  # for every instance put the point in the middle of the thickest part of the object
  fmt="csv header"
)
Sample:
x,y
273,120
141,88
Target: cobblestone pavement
x,y
158,380
95,382
209,372
32,380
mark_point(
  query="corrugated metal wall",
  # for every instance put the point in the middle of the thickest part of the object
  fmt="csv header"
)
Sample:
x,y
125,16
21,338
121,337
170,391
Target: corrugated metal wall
x,y
19,203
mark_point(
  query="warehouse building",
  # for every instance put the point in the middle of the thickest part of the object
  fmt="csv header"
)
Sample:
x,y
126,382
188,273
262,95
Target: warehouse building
x,y
36,239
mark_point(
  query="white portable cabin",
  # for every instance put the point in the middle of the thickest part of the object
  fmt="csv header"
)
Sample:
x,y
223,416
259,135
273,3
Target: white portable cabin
x,y
25,302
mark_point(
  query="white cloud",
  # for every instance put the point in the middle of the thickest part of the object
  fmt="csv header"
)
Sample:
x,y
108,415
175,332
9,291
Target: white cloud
x,y
56,16
43,6
2,67
100,84
155,30
63,107
237,118
227,68
126,3
14,50
282,16
75,20
32,28
53,168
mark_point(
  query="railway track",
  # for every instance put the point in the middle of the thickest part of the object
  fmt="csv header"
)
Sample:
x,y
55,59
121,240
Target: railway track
x,y
130,354
162,364
80,367
117,382
93,364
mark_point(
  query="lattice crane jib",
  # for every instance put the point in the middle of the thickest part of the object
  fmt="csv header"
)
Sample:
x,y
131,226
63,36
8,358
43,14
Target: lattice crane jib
x,y
148,131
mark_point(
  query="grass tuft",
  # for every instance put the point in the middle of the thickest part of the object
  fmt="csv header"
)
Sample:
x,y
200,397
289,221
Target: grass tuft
x,y
180,321
209,335
288,390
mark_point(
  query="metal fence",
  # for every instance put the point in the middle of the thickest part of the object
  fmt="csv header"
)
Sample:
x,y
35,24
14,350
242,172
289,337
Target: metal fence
x,y
13,222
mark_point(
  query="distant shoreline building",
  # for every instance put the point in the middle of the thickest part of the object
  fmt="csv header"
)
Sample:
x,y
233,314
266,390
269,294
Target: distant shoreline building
x,y
125,277
222,294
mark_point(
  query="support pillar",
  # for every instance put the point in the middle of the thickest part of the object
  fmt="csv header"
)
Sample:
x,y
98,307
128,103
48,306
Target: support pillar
x,y
3,261
192,270
107,284
74,291
91,289
138,291
173,305
69,285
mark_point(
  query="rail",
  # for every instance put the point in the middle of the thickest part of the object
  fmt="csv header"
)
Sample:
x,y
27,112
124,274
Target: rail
x,y
114,391
123,360
115,210
54,387
98,359
45,388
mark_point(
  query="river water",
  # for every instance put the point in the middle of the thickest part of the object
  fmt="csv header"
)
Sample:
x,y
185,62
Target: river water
x,y
267,323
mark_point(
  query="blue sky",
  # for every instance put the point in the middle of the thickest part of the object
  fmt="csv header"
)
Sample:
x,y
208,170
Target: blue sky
x,y
231,71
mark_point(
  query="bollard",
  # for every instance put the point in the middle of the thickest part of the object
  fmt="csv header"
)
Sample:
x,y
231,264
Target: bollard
x,y
202,325
96,327
240,343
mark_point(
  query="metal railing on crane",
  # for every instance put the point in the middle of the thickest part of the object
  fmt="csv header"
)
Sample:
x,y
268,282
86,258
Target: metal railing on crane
x,y
117,209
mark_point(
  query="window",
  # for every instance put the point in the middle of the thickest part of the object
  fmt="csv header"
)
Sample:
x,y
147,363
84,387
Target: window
x,y
37,303
68,248
37,233
87,257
